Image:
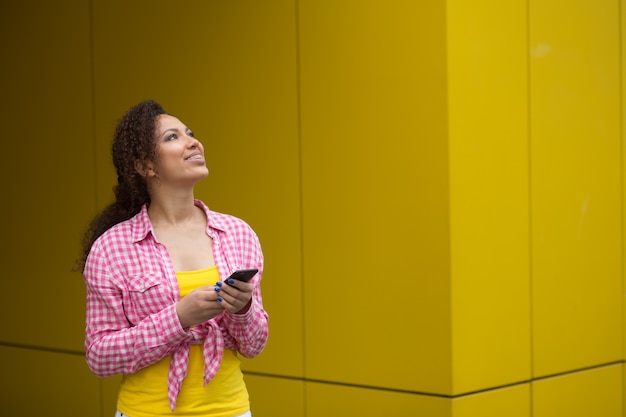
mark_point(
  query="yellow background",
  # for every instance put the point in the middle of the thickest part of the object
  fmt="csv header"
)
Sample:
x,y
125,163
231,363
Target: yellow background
x,y
438,188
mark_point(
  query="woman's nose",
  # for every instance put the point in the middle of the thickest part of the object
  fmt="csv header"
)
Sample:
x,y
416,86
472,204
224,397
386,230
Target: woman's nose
x,y
194,143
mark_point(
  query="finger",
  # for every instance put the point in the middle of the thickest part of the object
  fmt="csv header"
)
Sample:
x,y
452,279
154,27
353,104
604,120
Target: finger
x,y
206,293
233,303
235,298
238,285
210,295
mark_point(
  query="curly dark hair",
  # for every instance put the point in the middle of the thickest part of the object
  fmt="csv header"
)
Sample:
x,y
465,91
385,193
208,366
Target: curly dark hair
x,y
133,141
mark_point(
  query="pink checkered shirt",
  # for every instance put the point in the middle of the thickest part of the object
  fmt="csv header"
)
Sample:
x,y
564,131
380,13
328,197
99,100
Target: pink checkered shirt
x,y
131,294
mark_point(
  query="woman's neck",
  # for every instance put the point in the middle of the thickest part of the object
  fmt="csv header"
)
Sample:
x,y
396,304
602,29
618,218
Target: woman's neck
x,y
172,210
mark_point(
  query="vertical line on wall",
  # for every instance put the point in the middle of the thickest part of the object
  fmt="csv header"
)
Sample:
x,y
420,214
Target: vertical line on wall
x,y
621,58
530,206
92,86
301,199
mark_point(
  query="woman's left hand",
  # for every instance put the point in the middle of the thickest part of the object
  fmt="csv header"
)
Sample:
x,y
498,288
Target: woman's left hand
x,y
235,297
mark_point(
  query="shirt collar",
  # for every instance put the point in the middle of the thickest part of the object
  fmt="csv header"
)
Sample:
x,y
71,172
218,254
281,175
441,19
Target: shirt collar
x,y
141,225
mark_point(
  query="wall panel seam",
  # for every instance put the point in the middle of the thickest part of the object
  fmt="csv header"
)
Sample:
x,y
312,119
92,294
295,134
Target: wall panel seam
x,y
42,349
301,191
431,394
530,211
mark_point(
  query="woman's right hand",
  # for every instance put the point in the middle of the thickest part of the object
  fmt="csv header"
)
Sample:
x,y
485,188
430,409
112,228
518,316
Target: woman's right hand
x,y
198,306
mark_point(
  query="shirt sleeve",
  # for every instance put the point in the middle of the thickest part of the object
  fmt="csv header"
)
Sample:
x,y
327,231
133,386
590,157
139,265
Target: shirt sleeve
x,y
112,344
249,330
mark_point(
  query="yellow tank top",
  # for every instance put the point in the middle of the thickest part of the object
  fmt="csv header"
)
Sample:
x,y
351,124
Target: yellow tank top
x,y
144,393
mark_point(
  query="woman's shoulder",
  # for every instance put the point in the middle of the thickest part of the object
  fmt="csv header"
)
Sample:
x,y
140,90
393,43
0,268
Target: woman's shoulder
x,y
219,219
228,223
121,233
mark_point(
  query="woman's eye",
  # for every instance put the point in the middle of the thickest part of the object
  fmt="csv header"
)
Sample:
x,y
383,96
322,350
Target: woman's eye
x,y
190,134
171,137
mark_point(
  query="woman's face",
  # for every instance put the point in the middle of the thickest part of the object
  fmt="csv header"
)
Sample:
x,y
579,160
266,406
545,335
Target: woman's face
x,y
180,156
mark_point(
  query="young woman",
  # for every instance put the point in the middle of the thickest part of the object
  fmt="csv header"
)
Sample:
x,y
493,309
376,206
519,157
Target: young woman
x,y
159,310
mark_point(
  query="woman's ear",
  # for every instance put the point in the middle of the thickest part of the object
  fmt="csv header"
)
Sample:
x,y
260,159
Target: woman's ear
x,y
145,169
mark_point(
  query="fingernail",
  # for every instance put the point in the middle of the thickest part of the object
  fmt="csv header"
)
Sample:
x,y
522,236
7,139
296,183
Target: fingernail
x,y
218,283
217,289
231,281
219,299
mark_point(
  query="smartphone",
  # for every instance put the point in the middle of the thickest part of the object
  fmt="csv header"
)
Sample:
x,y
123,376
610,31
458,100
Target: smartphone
x,y
243,274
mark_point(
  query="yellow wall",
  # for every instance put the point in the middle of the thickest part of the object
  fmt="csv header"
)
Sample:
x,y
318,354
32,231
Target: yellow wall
x,y
438,188
374,193
489,193
576,167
